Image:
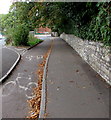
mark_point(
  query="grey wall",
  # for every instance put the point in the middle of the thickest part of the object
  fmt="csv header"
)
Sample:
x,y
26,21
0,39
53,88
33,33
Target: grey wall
x,y
97,56
54,34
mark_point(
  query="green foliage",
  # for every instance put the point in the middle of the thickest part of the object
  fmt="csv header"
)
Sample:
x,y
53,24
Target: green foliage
x,y
103,22
20,34
87,20
9,35
32,40
17,23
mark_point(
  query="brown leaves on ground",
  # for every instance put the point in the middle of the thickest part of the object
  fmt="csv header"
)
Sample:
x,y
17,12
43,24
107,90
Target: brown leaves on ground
x,y
35,102
71,81
77,71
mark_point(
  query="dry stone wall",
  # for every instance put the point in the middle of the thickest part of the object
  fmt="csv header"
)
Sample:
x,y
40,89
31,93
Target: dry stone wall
x,y
94,53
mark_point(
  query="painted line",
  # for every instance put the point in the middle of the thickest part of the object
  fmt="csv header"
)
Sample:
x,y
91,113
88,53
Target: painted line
x,y
10,70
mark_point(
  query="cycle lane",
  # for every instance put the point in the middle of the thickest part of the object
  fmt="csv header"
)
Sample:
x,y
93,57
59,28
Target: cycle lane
x,y
17,88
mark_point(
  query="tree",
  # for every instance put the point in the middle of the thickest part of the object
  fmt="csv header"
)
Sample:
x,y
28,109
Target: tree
x,y
18,23
86,20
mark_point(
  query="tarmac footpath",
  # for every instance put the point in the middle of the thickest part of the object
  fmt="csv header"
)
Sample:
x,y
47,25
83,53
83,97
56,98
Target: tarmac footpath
x,y
18,87
74,89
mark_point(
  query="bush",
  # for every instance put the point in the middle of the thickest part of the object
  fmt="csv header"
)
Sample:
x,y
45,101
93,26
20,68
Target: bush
x,y
32,40
20,34
8,34
88,20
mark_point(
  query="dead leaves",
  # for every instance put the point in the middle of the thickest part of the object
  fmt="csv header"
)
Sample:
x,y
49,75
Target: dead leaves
x,y
35,102
71,81
77,71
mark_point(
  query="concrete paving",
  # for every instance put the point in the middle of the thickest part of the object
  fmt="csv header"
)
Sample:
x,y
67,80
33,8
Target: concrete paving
x,y
74,89
18,88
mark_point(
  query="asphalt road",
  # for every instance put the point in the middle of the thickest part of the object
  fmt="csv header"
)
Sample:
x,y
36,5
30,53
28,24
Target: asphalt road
x,y
8,59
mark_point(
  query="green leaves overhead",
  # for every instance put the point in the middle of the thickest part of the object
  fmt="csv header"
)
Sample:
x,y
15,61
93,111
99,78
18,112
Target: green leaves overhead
x,y
88,20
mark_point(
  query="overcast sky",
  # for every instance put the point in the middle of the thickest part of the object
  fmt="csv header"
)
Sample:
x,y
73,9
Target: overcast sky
x,y
4,6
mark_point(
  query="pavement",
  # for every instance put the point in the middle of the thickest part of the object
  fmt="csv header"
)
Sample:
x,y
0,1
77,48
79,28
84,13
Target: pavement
x,y
74,89
18,87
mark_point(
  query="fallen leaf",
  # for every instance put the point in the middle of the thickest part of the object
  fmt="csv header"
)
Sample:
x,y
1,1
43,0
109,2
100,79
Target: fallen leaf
x,y
45,115
77,71
98,98
34,103
71,81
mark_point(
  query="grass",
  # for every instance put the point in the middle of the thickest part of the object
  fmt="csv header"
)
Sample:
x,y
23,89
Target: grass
x,y
32,40
31,43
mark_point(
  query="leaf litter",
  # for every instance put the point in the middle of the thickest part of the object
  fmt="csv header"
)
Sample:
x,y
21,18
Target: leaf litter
x,y
35,102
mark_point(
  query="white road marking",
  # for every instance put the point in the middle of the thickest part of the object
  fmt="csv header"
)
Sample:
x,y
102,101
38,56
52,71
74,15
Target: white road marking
x,y
39,57
23,82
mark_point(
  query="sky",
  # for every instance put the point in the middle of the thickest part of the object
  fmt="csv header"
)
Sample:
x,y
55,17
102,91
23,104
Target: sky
x,y
4,6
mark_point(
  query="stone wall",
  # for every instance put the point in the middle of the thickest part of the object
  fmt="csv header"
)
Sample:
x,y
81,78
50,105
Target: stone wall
x,y
97,56
54,34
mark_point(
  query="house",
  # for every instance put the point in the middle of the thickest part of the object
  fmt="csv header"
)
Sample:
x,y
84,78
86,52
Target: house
x,y
43,30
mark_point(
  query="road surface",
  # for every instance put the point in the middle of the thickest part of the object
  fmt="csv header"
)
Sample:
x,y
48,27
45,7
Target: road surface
x,y
8,59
